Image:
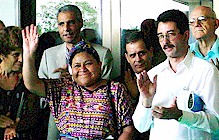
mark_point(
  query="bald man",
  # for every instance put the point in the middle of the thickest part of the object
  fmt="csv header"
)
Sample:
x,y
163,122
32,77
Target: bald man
x,y
203,24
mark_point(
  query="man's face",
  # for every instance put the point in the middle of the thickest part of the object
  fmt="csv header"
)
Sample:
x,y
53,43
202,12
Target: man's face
x,y
138,56
206,26
69,27
174,44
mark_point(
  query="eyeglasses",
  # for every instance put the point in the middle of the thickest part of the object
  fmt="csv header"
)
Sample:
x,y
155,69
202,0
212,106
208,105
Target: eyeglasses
x,y
170,36
201,19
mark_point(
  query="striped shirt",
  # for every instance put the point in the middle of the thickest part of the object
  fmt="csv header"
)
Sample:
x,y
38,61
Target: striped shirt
x,y
79,112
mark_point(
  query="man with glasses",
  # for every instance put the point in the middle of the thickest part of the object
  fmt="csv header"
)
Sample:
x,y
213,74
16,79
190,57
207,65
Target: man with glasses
x,y
203,24
182,103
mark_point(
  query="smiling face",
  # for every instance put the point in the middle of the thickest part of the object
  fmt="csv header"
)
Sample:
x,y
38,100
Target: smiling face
x,y
205,28
69,27
12,62
86,71
176,45
138,56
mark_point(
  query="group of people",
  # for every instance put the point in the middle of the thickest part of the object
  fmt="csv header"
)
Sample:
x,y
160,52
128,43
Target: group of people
x,y
176,98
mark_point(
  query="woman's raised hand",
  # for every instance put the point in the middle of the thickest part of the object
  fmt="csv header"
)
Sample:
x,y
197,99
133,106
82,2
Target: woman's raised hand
x,y
30,39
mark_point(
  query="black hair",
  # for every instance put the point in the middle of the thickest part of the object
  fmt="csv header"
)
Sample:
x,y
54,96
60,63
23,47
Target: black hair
x,y
135,36
176,16
1,22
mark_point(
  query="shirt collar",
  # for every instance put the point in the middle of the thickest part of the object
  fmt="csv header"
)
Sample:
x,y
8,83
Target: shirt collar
x,y
194,48
186,62
215,48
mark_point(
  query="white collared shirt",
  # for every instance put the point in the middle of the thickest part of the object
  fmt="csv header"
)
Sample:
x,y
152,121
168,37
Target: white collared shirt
x,y
193,75
67,59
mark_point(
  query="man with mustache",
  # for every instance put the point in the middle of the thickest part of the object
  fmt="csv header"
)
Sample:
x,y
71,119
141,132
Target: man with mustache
x,y
168,107
139,54
70,22
203,24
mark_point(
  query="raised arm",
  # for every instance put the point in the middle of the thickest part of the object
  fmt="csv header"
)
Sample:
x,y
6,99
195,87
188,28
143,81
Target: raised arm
x,y
30,43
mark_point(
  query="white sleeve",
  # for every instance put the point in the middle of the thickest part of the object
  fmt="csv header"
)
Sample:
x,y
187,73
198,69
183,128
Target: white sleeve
x,y
142,117
208,119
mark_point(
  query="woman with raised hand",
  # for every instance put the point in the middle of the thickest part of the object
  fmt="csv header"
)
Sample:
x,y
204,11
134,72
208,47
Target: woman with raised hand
x,y
19,108
87,107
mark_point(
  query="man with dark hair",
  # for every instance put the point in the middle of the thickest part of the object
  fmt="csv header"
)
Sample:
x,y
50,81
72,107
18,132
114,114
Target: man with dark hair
x,y
70,22
182,103
139,54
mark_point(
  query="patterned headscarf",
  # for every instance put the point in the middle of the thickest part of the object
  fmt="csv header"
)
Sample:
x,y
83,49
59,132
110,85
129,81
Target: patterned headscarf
x,y
83,47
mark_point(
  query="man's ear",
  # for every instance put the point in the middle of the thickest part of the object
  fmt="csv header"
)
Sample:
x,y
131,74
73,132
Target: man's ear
x,y
151,54
152,50
126,56
216,23
2,57
100,63
81,23
186,33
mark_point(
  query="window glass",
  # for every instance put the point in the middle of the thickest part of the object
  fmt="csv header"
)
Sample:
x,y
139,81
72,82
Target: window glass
x,y
135,11
46,13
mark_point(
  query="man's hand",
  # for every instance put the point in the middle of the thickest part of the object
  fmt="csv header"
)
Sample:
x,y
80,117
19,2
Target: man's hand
x,y
216,62
146,88
167,113
10,133
64,71
65,75
4,70
5,121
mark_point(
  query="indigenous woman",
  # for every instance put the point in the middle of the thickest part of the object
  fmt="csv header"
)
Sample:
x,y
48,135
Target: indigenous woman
x,y
87,107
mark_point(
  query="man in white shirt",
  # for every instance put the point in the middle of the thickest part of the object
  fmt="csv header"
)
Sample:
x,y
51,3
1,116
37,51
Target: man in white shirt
x,y
164,106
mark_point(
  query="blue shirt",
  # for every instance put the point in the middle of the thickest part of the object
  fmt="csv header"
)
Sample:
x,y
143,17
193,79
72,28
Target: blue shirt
x,y
212,54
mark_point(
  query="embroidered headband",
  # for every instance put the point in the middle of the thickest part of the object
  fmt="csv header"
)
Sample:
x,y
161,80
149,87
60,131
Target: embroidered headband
x,y
82,46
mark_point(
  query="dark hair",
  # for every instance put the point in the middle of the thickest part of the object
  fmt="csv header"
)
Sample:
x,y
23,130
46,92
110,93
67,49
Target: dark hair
x,y
149,28
71,8
135,36
83,47
1,22
176,16
10,39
